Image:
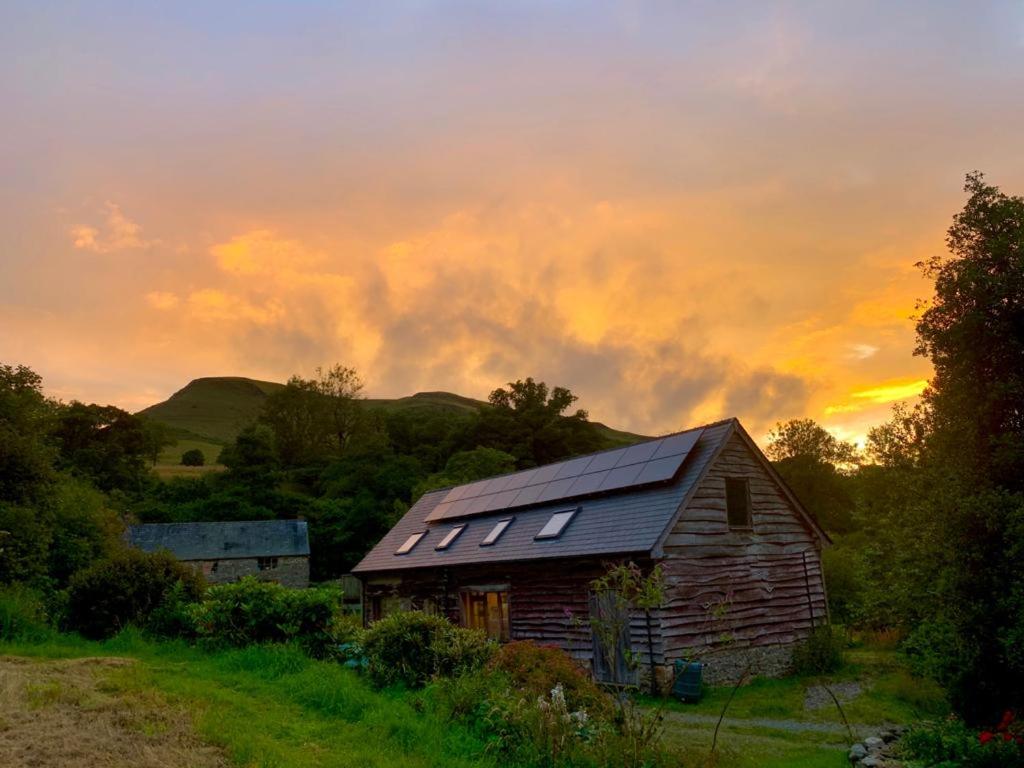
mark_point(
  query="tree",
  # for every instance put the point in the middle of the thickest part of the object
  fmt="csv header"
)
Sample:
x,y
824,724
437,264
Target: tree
x,y
973,332
157,437
193,458
529,421
314,419
811,461
806,438
104,443
342,389
26,448
252,460
467,466
900,442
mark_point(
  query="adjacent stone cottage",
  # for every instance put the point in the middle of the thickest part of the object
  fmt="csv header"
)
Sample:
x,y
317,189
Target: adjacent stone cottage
x,y
270,550
515,555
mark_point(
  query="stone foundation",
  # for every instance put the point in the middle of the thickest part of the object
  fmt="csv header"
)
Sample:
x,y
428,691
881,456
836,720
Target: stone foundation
x,y
724,667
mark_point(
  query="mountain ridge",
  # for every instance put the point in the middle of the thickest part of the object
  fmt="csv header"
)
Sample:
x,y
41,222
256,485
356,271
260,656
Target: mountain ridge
x,y
216,408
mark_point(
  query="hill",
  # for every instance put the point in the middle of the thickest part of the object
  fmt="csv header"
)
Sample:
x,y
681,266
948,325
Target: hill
x,y
211,411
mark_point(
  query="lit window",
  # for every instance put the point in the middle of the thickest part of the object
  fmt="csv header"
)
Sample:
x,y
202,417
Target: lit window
x,y
488,612
411,542
737,502
554,527
451,536
496,531
266,563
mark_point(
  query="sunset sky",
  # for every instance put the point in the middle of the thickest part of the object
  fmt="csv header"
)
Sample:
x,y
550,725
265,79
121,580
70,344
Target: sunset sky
x,y
681,211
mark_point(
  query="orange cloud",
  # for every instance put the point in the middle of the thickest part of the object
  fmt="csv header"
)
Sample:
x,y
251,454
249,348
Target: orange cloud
x,y
880,395
119,233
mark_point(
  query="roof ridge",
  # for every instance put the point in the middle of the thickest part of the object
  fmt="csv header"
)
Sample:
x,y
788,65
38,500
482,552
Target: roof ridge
x,y
592,453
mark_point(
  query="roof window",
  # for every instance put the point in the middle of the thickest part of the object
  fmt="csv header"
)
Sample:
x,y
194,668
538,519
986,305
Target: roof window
x,y
496,531
558,523
411,542
450,537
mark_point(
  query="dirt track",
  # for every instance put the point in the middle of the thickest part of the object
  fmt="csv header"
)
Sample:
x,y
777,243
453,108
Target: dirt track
x,y
69,713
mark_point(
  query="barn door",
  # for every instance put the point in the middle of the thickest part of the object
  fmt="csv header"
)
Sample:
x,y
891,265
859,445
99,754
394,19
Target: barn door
x,y
610,634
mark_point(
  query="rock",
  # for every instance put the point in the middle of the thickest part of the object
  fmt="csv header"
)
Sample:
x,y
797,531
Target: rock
x,y
871,761
873,743
857,753
889,735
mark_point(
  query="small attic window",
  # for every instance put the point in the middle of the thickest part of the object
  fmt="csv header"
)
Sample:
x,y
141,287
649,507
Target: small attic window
x,y
496,531
409,543
450,537
737,502
558,522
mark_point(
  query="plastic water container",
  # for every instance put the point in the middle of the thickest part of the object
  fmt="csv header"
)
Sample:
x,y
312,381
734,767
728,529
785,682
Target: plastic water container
x,y
688,676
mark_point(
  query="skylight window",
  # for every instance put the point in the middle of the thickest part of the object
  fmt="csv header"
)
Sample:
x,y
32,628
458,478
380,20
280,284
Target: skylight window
x,y
411,542
558,522
451,536
496,531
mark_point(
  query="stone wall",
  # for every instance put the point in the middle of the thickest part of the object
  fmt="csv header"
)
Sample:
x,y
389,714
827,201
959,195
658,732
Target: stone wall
x,y
287,571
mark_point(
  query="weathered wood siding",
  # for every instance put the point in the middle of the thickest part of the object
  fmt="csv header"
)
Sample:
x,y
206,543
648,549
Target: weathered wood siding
x,y
735,588
548,602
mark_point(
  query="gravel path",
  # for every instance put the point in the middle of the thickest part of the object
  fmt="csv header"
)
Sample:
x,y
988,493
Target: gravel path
x,y
790,726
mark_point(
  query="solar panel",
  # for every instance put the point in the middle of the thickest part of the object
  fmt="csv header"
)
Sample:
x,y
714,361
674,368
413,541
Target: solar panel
x,y
655,461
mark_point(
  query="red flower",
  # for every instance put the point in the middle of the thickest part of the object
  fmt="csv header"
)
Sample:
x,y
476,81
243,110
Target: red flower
x,y
1005,722
985,737
1007,737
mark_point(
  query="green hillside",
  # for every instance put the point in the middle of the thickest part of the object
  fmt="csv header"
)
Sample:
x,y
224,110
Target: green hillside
x,y
213,410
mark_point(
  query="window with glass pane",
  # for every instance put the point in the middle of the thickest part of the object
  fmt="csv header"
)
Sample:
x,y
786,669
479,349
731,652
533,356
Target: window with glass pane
x,y
488,612
737,502
496,531
554,527
409,543
451,536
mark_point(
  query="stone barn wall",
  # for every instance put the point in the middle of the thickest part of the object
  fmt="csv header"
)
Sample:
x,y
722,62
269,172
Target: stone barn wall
x,y
287,571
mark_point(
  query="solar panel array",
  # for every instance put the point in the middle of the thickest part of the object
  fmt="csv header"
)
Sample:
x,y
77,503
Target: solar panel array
x,y
651,462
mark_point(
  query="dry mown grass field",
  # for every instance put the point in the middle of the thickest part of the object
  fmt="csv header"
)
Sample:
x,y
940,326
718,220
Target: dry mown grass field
x,y
73,713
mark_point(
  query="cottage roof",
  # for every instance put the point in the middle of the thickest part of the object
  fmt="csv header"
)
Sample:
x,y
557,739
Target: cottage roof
x,y
223,540
620,521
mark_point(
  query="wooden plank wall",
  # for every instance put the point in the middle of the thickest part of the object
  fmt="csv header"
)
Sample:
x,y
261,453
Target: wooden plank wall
x,y
548,601
735,588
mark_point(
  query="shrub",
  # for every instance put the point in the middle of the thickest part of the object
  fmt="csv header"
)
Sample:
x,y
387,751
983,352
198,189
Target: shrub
x,y
251,611
534,670
951,743
820,653
126,588
193,458
411,647
22,614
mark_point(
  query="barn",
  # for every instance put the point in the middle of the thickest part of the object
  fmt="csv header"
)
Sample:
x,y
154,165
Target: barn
x,y
269,550
515,555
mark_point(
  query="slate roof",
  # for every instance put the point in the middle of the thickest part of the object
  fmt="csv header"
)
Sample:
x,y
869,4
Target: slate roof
x,y
629,521
223,540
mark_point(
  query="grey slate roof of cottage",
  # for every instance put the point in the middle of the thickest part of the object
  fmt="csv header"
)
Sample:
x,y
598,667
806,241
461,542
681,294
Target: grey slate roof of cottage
x,y
223,540
628,521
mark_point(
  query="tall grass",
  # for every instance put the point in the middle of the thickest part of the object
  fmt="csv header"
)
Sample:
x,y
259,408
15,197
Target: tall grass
x,y
274,707
22,615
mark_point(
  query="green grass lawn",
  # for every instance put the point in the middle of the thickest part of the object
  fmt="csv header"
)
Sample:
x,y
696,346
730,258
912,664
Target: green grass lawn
x,y
169,463
275,708
890,695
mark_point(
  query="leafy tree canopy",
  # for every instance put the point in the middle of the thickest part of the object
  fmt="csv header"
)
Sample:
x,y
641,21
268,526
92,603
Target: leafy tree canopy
x,y
973,332
529,421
